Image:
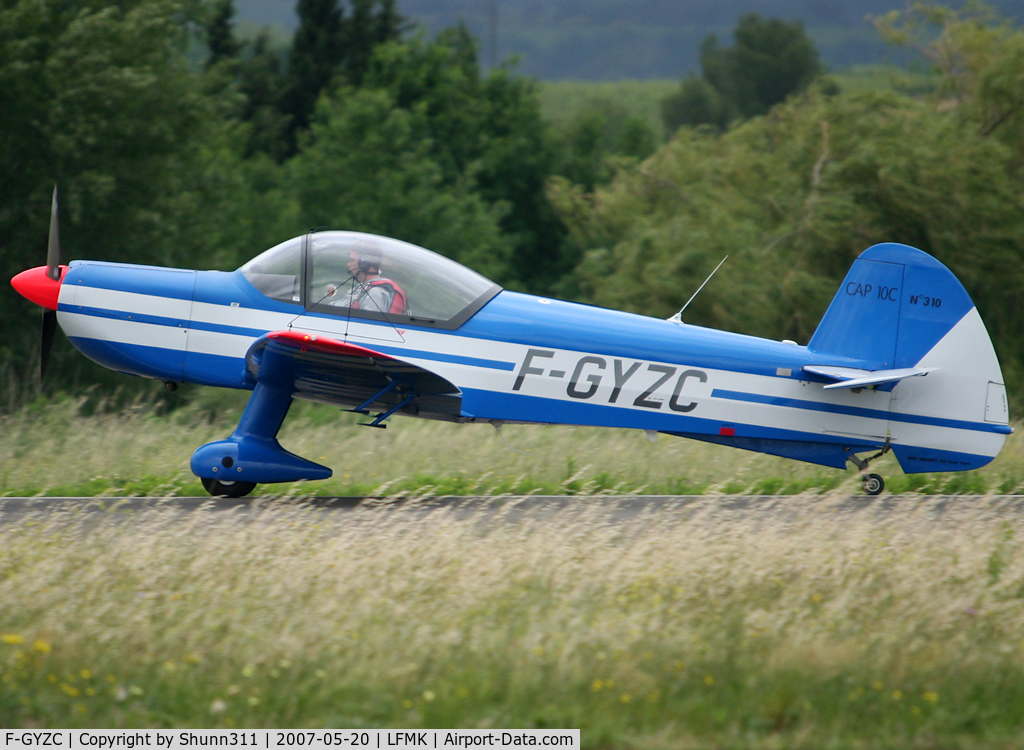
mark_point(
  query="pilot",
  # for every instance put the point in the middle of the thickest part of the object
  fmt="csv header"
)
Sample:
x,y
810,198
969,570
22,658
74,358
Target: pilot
x,y
370,290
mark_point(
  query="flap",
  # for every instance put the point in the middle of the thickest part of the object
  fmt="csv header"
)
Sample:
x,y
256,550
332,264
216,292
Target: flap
x,y
851,377
323,369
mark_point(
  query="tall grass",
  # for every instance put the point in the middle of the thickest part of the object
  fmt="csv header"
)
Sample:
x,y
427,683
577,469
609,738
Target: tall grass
x,y
808,621
53,448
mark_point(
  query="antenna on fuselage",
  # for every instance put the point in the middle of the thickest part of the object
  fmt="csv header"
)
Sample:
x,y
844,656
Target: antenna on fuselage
x,y
678,317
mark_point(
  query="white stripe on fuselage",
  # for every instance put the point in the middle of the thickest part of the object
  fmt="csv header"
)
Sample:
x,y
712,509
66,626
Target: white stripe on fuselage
x,y
686,389
81,325
127,302
124,330
241,317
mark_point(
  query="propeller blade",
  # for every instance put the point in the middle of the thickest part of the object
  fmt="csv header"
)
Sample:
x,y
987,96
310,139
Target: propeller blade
x,y
49,329
53,247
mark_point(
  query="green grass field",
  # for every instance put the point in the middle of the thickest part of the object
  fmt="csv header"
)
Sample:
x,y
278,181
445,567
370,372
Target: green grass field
x,y
50,448
796,622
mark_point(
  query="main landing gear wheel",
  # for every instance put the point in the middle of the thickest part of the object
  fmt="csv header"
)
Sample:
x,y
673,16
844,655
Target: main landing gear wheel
x,y
873,484
218,488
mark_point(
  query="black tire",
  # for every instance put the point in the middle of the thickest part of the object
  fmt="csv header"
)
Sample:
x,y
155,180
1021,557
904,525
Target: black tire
x,y
227,489
873,484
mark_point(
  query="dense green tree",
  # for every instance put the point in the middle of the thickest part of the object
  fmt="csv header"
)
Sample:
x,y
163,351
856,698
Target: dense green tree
x,y
372,22
220,37
313,60
515,160
368,164
600,137
980,60
261,81
696,103
330,44
770,60
486,129
718,68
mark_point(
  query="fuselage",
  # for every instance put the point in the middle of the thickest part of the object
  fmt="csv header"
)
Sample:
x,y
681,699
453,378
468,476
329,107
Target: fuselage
x,y
522,358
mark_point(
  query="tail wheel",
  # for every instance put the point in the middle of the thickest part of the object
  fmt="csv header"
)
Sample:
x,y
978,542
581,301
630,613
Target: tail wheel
x,y
227,489
873,484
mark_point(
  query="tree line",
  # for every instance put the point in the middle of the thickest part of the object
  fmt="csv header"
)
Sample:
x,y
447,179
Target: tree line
x,y
175,143
794,195
602,40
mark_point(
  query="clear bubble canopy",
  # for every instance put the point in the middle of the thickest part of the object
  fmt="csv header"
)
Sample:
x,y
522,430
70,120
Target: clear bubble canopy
x,y
437,289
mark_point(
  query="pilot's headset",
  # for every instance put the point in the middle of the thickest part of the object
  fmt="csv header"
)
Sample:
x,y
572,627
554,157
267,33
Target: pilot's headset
x,y
369,257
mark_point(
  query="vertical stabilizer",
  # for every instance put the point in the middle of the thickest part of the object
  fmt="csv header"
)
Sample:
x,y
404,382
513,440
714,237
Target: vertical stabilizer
x,y
894,305
899,308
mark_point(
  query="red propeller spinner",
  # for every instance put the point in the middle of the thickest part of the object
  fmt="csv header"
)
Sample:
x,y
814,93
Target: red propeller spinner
x,y
37,285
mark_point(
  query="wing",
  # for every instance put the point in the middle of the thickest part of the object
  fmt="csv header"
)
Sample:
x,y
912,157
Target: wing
x,y
353,377
849,377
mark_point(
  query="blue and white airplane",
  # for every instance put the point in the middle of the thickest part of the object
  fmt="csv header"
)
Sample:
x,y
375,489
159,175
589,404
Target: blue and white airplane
x,y
900,362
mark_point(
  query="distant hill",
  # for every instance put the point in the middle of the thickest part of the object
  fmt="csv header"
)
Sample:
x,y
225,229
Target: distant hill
x,y
609,40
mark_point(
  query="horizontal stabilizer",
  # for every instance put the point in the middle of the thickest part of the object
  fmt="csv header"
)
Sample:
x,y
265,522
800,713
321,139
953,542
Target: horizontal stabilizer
x,y
850,377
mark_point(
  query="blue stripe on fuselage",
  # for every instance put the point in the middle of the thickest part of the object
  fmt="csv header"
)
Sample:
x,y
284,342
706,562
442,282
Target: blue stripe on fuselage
x,y
854,411
515,318
136,317
456,359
